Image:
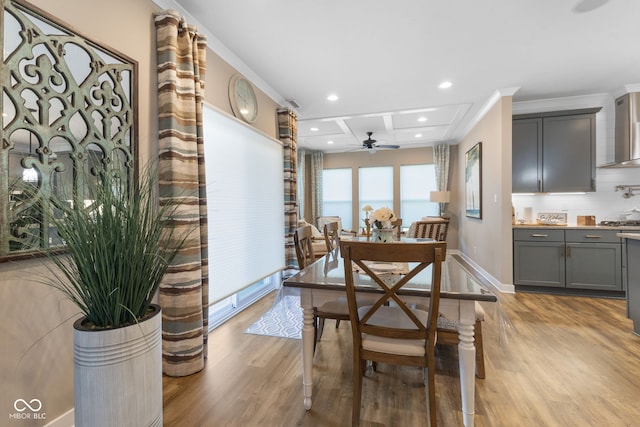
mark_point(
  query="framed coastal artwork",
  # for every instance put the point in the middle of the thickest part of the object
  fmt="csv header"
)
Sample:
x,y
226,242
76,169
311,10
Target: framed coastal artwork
x,y
473,181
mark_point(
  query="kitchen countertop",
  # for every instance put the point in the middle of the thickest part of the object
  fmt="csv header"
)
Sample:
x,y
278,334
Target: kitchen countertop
x,y
579,227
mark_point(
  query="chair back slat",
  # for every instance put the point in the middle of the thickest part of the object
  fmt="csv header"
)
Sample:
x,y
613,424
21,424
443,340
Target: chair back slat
x,y
302,238
332,235
435,229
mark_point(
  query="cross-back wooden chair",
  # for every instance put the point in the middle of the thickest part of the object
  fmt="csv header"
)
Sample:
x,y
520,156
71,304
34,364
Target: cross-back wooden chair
x,y
332,235
304,246
389,331
336,309
397,227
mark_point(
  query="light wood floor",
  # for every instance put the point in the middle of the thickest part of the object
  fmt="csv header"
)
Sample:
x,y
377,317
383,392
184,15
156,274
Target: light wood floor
x,y
570,362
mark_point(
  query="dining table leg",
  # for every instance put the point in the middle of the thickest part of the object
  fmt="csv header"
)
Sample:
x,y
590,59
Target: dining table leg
x,y
467,360
306,301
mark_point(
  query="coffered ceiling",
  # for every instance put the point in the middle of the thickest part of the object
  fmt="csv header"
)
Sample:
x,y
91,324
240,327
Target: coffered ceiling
x,y
385,60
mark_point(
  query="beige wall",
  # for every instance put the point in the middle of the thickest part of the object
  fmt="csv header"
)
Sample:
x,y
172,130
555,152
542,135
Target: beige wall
x,y
36,359
216,93
488,241
395,158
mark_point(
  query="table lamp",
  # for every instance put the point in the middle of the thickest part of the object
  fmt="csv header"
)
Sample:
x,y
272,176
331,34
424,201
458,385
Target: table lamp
x,y
440,197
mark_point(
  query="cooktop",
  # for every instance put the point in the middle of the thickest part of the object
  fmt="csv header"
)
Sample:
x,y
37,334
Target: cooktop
x,y
624,223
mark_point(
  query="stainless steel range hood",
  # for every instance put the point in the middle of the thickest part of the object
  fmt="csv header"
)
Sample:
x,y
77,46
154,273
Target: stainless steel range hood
x,y
627,131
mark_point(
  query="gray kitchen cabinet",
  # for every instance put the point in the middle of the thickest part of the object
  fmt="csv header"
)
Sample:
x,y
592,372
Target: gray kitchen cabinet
x,y
593,260
589,260
554,151
632,255
527,155
538,257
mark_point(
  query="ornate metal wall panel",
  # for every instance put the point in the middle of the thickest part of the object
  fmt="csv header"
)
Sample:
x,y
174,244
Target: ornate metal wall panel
x,y
68,112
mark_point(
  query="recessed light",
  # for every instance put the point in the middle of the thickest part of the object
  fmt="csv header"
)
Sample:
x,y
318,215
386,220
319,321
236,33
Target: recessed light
x,y
329,142
422,119
445,84
418,135
314,129
332,97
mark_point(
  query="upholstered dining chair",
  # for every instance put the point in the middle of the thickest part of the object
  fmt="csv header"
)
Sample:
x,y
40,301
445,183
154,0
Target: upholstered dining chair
x,y
389,331
336,309
448,335
317,239
435,228
322,220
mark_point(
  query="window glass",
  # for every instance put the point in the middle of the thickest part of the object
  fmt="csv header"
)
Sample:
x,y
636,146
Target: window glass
x,y
336,195
376,188
416,181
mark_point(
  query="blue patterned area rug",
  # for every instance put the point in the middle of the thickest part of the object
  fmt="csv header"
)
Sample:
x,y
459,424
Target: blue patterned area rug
x,y
284,319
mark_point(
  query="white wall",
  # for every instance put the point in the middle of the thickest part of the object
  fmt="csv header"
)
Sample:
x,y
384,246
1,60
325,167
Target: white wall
x,y
488,241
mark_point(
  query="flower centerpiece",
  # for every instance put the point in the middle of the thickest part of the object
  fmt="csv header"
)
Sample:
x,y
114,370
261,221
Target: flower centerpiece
x,y
380,220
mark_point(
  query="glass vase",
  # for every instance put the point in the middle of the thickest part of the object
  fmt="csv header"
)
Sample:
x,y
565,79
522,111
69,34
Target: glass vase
x,y
382,235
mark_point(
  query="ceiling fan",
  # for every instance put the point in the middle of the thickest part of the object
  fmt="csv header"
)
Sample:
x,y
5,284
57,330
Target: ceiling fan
x,y
370,144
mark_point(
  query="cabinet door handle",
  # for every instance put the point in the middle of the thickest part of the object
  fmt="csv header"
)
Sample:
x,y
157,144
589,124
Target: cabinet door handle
x,y
568,251
562,251
539,235
592,236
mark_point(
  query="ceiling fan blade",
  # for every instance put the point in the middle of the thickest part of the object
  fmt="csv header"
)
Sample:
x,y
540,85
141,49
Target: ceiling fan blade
x,y
387,146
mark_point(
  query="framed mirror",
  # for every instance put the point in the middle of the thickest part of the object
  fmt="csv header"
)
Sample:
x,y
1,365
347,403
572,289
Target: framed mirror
x,y
68,112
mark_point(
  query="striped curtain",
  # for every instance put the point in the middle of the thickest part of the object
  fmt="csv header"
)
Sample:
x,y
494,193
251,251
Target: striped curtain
x,y
288,134
441,163
184,292
301,193
317,164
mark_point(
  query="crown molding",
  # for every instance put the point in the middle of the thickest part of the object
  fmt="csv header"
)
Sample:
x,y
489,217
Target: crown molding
x,y
215,45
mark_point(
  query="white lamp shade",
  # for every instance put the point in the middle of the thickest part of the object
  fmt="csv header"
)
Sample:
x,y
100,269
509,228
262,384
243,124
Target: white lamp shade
x,y
440,196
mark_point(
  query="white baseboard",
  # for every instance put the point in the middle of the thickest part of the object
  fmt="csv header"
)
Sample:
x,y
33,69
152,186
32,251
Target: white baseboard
x,y
64,420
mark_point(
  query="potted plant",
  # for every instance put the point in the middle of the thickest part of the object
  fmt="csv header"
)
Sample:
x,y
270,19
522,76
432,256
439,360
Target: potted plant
x,y
116,251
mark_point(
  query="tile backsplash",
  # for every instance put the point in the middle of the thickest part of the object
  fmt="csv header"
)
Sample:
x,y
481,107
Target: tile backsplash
x,y
605,203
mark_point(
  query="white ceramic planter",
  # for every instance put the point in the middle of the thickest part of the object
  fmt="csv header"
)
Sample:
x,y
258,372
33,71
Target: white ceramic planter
x,y
118,375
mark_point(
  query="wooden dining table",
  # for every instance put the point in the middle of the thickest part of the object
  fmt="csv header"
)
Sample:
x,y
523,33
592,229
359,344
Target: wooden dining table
x,y
324,280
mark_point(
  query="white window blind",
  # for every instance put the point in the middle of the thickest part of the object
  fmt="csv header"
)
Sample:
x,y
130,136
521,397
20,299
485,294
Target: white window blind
x,y
336,195
376,187
245,204
416,181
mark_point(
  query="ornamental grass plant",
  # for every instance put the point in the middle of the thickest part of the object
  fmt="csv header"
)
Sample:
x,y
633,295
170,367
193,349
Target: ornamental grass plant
x,y
116,251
